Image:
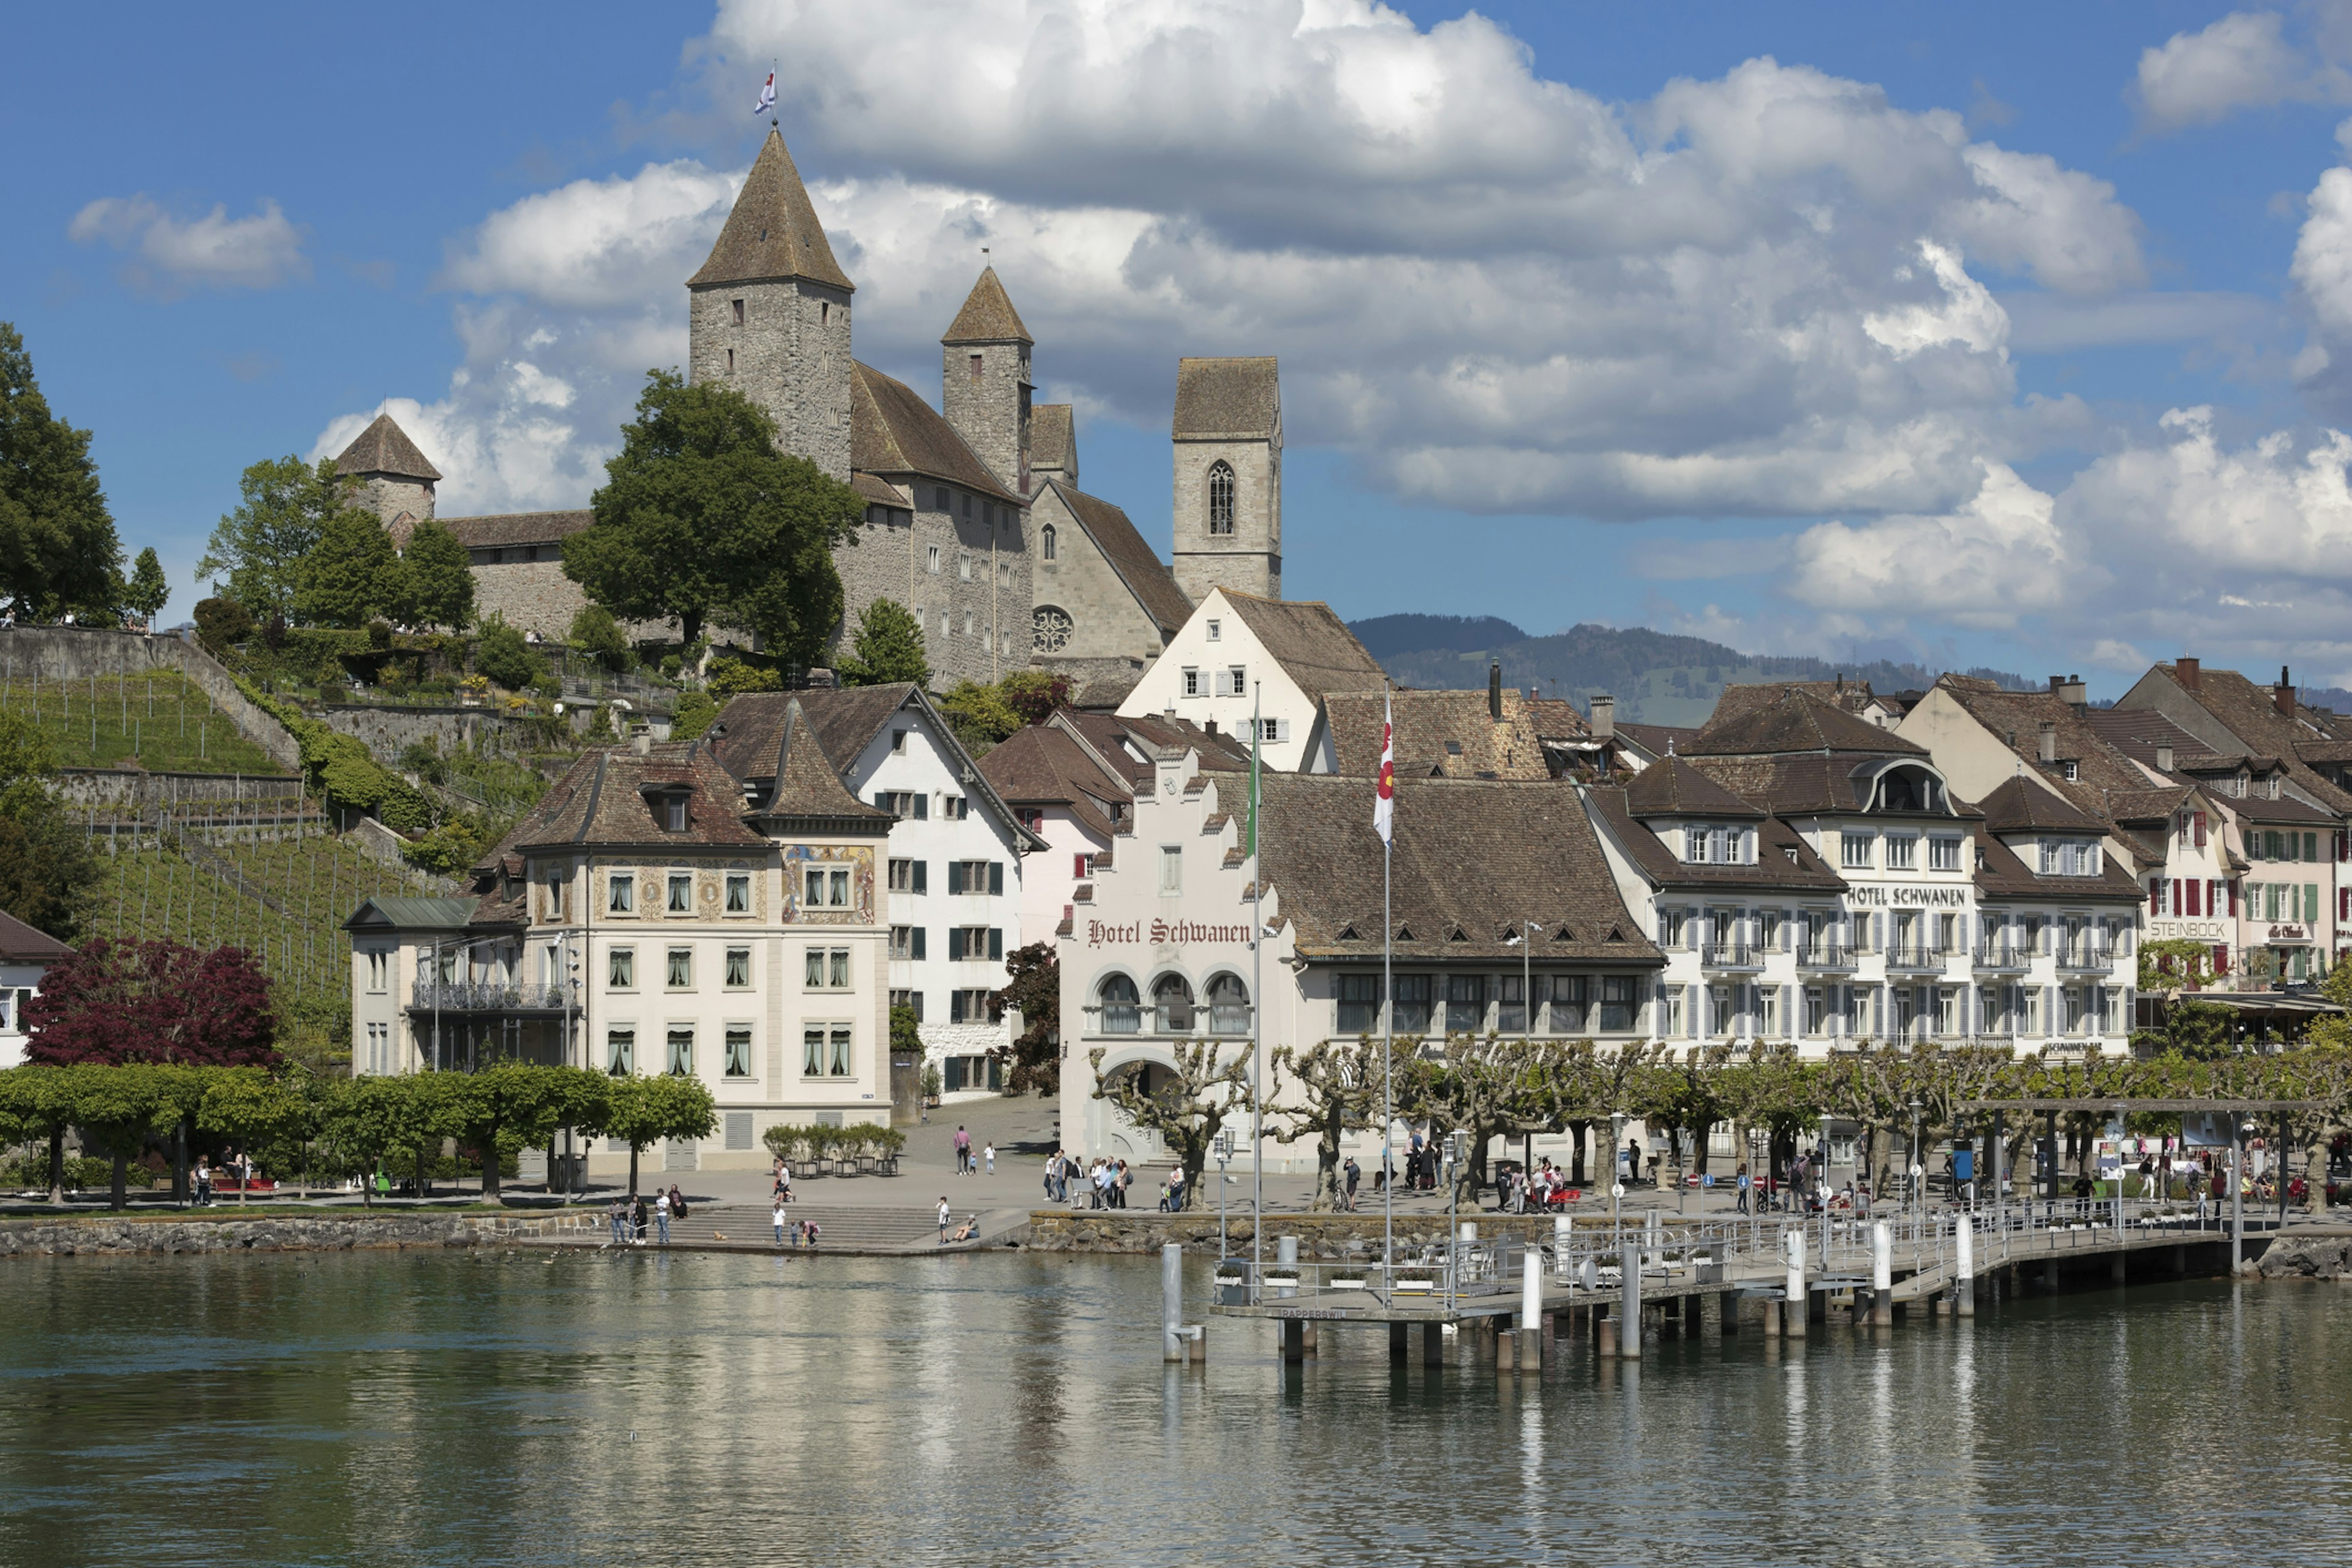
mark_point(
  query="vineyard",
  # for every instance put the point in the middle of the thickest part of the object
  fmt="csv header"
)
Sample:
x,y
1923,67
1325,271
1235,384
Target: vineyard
x,y
159,718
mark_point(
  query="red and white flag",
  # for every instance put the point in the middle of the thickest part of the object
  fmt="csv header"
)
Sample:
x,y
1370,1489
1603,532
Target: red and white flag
x,y
767,96
1384,807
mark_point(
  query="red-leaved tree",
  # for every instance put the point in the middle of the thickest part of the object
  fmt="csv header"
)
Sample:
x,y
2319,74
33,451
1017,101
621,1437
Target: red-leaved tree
x,y
115,1002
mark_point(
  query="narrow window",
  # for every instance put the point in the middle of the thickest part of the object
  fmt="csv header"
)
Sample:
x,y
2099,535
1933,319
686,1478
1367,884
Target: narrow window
x,y
731,354
815,891
1049,541
1220,496
838,966
623,896
932,560
620,1051
681,969
975,367
621,969
674,813
813,1052
681,1053
812,970
739,1053
840,1051
1172,869
681,893
739,322
738,892
738,968
838,889
1216,630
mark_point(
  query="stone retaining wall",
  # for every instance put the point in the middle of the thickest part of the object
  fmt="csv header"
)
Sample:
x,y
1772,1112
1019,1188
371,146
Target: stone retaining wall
x,y
114,1236
74,653
1332,1237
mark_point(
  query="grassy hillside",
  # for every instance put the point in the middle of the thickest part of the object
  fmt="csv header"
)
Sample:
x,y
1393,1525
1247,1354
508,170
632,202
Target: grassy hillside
x,y
1657,677
160,717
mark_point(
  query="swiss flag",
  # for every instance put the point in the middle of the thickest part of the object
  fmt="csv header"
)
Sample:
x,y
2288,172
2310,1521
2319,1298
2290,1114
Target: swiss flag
x,y
1384,806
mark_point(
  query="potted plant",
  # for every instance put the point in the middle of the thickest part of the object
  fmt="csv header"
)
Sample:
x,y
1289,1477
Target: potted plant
x,y
931,1085
1346,1280
472,690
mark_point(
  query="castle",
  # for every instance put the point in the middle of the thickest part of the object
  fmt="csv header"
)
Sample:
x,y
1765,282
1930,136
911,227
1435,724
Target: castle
x,y
974,520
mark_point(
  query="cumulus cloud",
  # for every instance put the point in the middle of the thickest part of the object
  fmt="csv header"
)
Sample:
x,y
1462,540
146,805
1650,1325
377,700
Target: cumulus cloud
x,y
1999,556
2243,61
171,256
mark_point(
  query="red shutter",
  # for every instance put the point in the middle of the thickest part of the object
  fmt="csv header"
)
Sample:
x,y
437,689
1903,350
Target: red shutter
x,y
2196,893
2176,895
2233,897
2200,830
2220,958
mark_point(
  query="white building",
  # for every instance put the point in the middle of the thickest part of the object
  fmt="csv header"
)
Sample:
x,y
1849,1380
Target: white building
x,y
951,886
25,955
1241,655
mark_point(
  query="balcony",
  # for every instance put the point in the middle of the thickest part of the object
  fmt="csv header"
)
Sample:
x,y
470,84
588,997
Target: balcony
x,y
1825,955
1999,958
1730,955
488,996
1187,1021
2083,958
1916,959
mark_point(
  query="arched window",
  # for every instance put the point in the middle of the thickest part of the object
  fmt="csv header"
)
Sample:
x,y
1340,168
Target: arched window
x,y
1048,542
1120,1014
1220,496
1228,1006
1049,628
1172,995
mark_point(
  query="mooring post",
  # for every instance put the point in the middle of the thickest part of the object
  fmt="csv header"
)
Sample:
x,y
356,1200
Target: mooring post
x,y
1286,1255
1397,1336
1531,1312
1604,1329
1964,1289
1727,1308
1629,1343
1792,1307
1882,1273
1563,1227
1433,1344
1294,1340
1172,1300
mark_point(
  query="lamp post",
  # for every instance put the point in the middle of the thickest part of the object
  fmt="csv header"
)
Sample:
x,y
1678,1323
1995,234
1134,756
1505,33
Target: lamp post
x,y
1457,1151
1919,1174
2246,1130
1225,1147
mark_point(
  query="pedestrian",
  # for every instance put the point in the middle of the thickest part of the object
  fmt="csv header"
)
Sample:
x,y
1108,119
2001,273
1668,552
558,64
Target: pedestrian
x,y
637,1220
963,1151
1126,1180
812,1229
661,1216
1743,1186
989,1154
1354,1174
800,1233
203,1182
1053,1170
676,1203
783,1182
779,1217
619,1215
944,1215
1101,1182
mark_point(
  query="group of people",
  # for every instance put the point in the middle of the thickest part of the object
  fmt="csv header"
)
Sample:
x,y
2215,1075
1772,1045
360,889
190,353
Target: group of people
x,y
1537,1191
968,1231
629,1216
972,1164
805,1232
1106,1180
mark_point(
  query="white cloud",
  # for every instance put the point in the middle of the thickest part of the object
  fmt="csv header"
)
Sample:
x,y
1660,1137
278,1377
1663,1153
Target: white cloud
x,y
1984,564
171,256
2243,61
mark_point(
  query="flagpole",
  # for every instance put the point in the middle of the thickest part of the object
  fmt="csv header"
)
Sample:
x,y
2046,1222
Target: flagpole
x,y
1388,1021
1258,1000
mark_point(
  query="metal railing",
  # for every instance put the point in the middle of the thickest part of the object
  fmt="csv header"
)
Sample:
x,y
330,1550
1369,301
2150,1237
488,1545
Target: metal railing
x,y
1730,955
1825,955
2001,955
1916,957
488,996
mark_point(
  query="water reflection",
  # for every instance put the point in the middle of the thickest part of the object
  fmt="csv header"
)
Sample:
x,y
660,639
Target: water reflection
x,y
481,1409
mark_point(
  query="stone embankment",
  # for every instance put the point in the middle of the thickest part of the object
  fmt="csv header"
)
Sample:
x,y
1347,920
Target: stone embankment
x,y
116,1236
1330,1238
2309,1252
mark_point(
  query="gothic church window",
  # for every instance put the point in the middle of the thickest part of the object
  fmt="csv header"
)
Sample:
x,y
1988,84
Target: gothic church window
x,y
1048,542
1220,496
1050,629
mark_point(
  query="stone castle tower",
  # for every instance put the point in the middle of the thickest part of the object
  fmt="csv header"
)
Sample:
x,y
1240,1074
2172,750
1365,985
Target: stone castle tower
x,y
770,314
395,481
1228,489
984,386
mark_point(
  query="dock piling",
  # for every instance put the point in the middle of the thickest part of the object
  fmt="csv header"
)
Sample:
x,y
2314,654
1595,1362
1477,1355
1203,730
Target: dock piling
x,y
1964,1287
1172,1300
1793,1306
1882,1273
1629,1345
1531,1313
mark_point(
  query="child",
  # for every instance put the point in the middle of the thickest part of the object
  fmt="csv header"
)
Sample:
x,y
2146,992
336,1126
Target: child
x,y
989,1154
780,1219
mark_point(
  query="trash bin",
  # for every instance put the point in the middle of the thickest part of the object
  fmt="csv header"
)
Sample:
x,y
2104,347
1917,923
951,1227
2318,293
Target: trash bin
x,y
1233,1281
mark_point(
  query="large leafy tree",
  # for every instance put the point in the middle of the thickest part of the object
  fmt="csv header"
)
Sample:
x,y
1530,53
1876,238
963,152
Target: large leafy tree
x,y
352,574
510,1106
256,552
47,870
37,1104
249,1106
1035,991
641,1111
437,580
119,1106
701,520
57,548
156,1001
888,646
370,1120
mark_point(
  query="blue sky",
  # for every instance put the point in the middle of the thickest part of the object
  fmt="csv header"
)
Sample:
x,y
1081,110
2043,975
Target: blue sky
x,y
1871,328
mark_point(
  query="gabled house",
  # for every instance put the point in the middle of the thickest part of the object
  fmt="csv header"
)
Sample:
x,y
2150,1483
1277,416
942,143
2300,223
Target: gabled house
x,y
25,955
1242,658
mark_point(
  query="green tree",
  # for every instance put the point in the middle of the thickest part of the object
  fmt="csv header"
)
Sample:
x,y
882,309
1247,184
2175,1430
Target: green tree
x,y
248,1106
438,579
222,623
505,657
692,715
507,1107
594,632
1035,991
641,1111
119,1107
149,590
702,519
48,873
980,714
256,552
37,1104
57,548
350,574
888,646
370,1120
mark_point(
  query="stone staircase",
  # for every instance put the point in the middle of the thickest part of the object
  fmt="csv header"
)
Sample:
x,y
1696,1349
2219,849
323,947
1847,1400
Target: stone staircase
x,y
748,1228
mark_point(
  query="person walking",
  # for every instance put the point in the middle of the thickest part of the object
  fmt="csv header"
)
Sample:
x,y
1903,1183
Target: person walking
x,y
963,1152
661,1217
1743,1187
811,1230
779,1218
1353,1174
676,1203
945,1215
989,1154
1053,1170
1126,1180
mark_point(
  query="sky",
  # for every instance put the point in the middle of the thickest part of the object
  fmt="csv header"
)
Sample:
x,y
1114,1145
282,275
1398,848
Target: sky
x,y
2001,334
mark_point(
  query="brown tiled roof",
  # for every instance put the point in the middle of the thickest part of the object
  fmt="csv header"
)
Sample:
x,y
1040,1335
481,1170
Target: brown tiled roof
x,y
2137,732
1658,740
1448,734
1153,585
1804,783
517,528
2143,806
384,447
1102,733
988,316
2015,719
1054,439
1042,766
1557,719
1784,860
1310,642
2250,713
1672,787
807,786
2020,806
1849,696
1235,398
879,491
2001,875
2283,811
773,231
1793,721
20,943
1473,858
893,431
602,800
2320,750
749,731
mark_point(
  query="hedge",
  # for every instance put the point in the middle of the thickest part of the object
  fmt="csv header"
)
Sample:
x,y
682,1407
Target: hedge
x,y
801,1144
342,768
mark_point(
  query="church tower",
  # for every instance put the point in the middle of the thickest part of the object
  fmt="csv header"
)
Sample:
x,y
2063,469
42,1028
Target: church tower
x,y
770,314
1228,493
985,387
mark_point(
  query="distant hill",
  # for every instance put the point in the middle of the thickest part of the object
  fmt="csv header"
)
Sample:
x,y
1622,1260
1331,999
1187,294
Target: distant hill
x,y
1657,677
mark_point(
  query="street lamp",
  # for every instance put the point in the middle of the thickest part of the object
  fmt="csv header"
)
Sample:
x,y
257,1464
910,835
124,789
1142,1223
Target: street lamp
x,y
1225,1147
1457,1155
1616,1179
1919,1188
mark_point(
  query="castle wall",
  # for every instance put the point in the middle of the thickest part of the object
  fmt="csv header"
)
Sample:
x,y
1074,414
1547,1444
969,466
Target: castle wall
x,y
988,410
1106,621
790,355
975,628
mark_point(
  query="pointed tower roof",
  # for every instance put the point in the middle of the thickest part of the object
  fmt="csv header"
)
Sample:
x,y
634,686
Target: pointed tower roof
x,y
988,316
384,447
773,231
807,788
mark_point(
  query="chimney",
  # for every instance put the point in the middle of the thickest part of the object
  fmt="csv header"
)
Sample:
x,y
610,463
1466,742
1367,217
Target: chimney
x,y
2073,692
2164,756
2056,681
2185,671
1604,716
1494,690
2282,694
2047,747
641,740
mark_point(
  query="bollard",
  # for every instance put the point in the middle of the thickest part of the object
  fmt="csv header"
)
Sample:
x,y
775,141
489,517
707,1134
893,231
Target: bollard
x,y
1771,1320
1793,1306
1397,1336
1172,1300
1308,1331
1563,1226
1629,1343
1433,1344
1197,1344
1286,1255
1507,1350
1531,1313
1882,1273
1607,1347
1964,1289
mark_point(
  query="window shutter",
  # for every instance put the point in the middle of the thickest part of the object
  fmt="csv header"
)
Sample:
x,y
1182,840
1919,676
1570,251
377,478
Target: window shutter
x,y
955,943
2232,886
2311,902
882,799
919,943
2155,895
2200,830
955,877
996,941
996,878
922,868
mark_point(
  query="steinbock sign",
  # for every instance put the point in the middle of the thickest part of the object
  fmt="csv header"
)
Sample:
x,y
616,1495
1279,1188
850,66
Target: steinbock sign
x,y
1162,933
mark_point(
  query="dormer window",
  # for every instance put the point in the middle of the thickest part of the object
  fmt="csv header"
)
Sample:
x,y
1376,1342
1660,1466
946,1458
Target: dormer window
x,y
670,808
1715,845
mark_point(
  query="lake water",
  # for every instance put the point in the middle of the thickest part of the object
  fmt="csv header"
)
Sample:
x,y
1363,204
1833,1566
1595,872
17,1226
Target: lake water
x,y
504,1408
